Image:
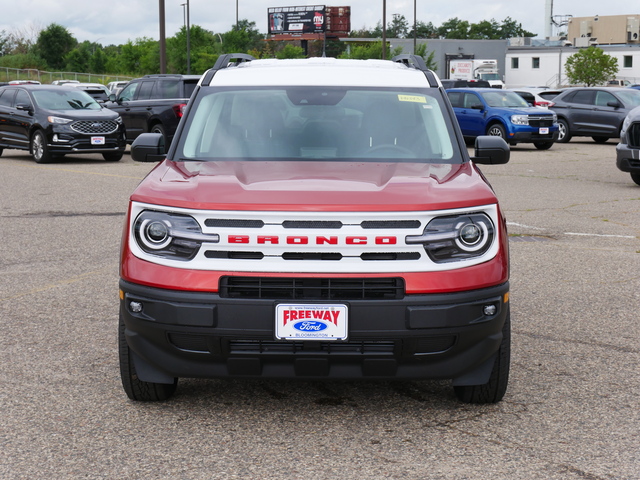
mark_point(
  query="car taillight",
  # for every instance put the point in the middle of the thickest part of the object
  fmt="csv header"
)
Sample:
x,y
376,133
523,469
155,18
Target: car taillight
x,y
179,108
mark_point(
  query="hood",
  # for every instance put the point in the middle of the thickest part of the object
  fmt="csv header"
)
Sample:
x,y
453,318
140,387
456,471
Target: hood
x,y
521,111
314,186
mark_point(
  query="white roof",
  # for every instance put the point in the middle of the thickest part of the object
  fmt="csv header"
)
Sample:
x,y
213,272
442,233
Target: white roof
x,y
321,71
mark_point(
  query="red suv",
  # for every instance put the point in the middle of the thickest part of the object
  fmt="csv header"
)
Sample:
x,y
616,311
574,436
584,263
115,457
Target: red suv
x,y
316,219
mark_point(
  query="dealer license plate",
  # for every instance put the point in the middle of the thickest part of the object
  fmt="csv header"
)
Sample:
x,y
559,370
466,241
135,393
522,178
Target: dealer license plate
x,y
97,140
544,131
295,321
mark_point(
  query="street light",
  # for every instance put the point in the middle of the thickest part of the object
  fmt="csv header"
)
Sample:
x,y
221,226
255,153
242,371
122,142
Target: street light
x,y
186,21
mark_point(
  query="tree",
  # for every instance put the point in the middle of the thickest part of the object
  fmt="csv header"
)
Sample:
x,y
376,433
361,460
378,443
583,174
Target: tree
x,y
424,30
454,28
204,45
590,67
429,60
53,45
510,29
398,27
290,51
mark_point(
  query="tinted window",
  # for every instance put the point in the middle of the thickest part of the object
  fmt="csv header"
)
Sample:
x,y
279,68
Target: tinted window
x,y
189,87
584,97
456,98
167,89
500,98
22,98
471,99
311,123
6,96
144,90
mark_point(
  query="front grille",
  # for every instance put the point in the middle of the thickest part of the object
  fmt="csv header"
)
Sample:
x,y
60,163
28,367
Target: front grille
x,y
266,347
633,135
541,121
312,288
95,127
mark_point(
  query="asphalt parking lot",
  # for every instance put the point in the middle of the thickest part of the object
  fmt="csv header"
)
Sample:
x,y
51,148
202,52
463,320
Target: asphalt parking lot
x,y
572,410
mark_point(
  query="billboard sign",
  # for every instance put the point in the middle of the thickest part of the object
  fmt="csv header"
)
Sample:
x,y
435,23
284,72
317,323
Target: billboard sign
x,y
308,19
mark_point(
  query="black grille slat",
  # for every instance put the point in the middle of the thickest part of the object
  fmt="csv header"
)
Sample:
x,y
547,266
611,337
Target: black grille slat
x,y
312,288
633,135
328,224
96,127
546,121
233,223
390,224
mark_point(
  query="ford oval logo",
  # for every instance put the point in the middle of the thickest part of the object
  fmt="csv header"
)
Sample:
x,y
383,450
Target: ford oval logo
x,y
309,326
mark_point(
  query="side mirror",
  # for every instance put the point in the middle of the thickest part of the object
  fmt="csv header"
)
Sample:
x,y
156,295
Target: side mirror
x,y
491,150
148,147
25,108
614,104
112,97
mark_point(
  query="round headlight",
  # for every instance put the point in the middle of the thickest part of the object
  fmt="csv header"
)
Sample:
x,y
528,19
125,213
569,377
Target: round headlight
x,y
472,236
155,234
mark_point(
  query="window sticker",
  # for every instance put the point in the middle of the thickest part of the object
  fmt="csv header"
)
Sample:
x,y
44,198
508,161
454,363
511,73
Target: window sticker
x,y
412,98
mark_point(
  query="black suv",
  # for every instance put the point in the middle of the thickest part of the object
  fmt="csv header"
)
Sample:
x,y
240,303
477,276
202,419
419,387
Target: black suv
x,y
153,104
52,121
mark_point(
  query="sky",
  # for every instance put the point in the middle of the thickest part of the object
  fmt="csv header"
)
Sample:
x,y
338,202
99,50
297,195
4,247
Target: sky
x,y
118,21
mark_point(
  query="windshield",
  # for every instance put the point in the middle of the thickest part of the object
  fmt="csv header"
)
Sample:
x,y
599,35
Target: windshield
x,y
65,100
489,76
503,99
631,97
309,123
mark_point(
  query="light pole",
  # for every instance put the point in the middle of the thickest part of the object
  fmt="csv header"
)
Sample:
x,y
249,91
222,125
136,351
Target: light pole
x,y
384,29
186,21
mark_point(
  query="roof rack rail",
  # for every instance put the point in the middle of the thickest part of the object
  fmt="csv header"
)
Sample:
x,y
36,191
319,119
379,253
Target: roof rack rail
x,y
417,62
225,61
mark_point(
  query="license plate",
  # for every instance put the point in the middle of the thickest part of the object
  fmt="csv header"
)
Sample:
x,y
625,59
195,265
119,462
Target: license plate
x,y
295,321
97,140
544,131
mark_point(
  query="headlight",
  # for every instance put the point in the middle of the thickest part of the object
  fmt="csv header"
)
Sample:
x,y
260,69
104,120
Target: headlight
x,y
170,235
555,118
454,238
59,120
520,119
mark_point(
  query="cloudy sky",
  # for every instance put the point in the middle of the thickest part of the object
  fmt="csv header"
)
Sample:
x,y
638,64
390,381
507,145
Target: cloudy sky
x,y
117,21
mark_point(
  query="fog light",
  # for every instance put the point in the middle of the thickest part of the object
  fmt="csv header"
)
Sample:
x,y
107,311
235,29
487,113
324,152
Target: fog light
x,y
55,137
135,307
489,310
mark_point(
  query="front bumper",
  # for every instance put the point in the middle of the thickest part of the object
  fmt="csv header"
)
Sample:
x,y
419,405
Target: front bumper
x,y
64,141
196,334
627,158
534,136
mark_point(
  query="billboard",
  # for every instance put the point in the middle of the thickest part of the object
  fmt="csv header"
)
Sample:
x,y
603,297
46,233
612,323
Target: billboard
x,y
308,19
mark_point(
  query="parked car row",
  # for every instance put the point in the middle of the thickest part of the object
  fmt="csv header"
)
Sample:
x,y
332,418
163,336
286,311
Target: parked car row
x,y
70,117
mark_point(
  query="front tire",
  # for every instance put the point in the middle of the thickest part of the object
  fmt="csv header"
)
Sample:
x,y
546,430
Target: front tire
x,y
493,391
135,388
564,135
113,157
543,145
497,130
38,147
600,139
636,178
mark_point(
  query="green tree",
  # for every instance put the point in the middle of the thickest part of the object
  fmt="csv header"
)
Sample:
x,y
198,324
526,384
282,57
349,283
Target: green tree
x,y
140,57
398,27
454,28
424,30
429,59
290,51
510,29
370,50
204,45
590,67
53,45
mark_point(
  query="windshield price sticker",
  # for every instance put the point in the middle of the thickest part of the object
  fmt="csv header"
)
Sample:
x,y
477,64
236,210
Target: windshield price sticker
x,y
97,140
544,131
311,322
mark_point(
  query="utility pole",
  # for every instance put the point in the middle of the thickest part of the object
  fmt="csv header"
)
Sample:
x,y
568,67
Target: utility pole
x,y
384,29
163,43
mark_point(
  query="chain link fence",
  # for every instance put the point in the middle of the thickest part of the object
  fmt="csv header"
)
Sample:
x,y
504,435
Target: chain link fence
x,y
10,74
